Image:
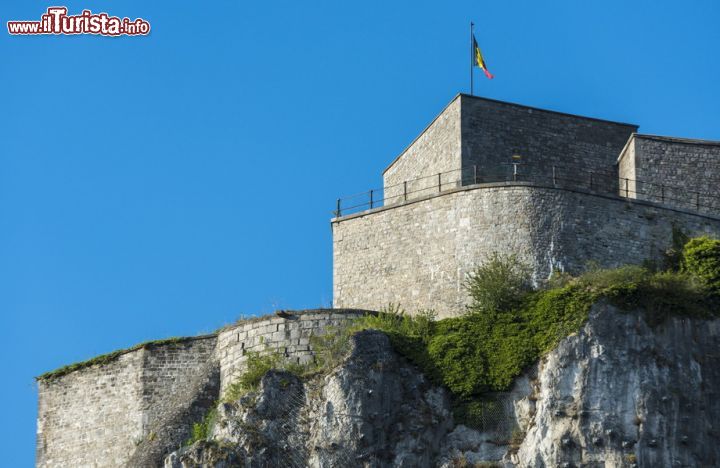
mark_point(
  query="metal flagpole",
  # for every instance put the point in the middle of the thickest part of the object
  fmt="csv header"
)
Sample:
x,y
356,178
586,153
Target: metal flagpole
x,y
472,55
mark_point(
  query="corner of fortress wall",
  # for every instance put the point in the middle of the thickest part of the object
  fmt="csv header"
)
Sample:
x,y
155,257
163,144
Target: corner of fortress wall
x,y
418,254
102,415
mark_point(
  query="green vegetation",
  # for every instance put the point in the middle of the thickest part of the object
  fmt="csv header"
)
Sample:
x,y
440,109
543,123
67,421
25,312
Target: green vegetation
x,y
257,366
499,284
508,326
329,348
202,429
700,257
107,358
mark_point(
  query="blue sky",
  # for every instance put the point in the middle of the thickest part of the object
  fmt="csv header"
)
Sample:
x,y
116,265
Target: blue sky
x,y
167,185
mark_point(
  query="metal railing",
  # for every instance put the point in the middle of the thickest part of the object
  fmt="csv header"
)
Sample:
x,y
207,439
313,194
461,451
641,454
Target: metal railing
x,y
595,181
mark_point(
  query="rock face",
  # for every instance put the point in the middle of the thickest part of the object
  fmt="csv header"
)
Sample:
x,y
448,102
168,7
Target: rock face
x,y
621,393
374,410
617,394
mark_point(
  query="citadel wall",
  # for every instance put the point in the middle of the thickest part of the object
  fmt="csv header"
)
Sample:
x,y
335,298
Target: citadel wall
x,y
96,415
130,410
678,172
476,136
494,131
290,336
436,150
71,433
418,253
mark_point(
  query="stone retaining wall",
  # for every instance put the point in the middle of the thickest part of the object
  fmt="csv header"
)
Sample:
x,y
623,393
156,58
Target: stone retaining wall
x,y
289,336
143,402
418,254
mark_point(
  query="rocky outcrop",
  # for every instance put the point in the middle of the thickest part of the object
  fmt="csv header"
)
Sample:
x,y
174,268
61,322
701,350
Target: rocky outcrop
x,y
373,410
619,393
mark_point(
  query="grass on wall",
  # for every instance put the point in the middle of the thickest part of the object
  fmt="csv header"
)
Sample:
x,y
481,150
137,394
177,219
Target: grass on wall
x,y
108,358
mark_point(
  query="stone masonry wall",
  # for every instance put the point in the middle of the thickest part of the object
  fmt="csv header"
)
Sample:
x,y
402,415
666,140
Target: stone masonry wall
x,y
419,253
493,131
473,132
96,416
436,150
290,336
626,171
91,417
135,408
171,370
678,172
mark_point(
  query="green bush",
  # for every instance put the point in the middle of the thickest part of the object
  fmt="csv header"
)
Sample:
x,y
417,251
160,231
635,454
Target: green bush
x,y
507,330
202,429
701,257
556,313
499,284
456,359
257,366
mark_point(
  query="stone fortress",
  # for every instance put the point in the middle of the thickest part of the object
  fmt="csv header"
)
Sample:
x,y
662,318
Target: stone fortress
x,y
485,176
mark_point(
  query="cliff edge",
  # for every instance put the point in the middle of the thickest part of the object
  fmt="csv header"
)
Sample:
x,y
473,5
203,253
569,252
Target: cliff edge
x,y
619,393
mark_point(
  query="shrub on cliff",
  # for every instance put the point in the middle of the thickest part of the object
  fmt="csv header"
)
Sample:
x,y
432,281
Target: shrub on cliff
x,y
505,331
498,284
701,257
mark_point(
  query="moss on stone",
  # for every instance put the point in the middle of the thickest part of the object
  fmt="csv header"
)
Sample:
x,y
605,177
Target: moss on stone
x,y
104,359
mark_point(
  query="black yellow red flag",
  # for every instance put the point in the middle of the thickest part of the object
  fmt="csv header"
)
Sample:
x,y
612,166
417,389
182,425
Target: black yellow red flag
x,y
479,60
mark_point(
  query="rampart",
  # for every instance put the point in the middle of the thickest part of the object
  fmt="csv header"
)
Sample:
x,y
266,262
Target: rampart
x,y
678,172
133,407
417,254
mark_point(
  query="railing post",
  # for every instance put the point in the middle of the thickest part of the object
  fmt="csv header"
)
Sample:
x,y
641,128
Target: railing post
x,y
697,200
405,190
337,211
554,178
591,180
475,179
439,182
627,195
371,199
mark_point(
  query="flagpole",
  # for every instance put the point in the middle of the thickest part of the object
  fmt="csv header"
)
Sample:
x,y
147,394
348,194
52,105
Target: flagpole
x,y
472,52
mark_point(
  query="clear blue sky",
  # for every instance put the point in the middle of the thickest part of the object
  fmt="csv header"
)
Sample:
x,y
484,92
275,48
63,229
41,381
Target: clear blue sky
x,y
167,185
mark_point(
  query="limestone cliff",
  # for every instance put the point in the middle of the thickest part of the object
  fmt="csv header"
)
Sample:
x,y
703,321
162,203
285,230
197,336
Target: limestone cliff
x,y
617,394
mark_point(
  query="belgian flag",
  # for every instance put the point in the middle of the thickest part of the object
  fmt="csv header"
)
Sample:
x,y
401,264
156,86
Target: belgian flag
x,y
479,60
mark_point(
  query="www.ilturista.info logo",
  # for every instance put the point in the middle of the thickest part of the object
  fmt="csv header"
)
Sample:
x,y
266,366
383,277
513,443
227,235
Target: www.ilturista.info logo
x,y
57,21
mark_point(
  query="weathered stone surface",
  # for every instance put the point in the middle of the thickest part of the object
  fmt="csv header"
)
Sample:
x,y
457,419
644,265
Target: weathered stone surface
x,y
136,408
436,150
373,410
474,131
97,416
616,394
677,172
620,391
418,254
494,131
566,205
